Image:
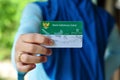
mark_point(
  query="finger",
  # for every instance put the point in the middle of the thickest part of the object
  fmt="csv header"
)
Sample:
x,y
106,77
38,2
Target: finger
x,y
37,38
25,67
27,59
33,48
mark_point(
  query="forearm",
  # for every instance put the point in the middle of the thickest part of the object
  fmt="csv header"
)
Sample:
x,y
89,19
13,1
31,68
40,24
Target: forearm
x,y
29,23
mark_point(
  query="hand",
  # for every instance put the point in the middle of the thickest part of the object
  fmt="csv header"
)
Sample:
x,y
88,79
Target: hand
x,y
27,46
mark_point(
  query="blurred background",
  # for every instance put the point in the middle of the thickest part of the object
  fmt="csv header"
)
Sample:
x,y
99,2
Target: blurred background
x,y
10,13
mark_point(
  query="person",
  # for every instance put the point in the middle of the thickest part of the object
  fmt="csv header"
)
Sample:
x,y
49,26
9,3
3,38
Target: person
x,y
86,63
112,53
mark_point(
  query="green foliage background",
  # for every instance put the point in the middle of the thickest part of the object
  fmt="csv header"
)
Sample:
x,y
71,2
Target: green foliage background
x,y
10,13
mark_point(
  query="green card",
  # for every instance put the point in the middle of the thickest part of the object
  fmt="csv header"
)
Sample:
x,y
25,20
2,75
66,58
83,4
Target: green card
x,y
64,33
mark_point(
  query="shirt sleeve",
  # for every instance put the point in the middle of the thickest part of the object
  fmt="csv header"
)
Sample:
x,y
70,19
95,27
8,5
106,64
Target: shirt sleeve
x,y
112,57
29,23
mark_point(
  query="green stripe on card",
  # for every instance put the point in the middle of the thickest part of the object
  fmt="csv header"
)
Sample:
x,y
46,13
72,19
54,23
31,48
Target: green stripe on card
x,y
61,27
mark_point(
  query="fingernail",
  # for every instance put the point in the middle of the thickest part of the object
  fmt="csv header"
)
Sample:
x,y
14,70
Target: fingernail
x,y
49,52
45,59
33,66
51,42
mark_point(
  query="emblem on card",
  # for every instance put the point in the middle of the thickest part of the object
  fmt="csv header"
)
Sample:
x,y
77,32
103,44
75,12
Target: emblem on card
x,y
46,25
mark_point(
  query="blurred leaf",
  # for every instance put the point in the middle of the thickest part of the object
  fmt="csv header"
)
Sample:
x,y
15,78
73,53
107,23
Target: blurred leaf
x,y
10,13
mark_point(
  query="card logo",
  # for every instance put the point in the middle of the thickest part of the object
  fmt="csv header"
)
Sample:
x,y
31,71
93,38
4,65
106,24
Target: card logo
x,y
46,25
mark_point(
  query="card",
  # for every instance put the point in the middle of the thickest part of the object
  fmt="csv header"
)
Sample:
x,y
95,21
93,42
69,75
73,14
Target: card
x,y
65,34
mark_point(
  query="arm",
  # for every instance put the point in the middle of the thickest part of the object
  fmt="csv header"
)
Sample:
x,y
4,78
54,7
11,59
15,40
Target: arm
x,y
29,23
27,41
